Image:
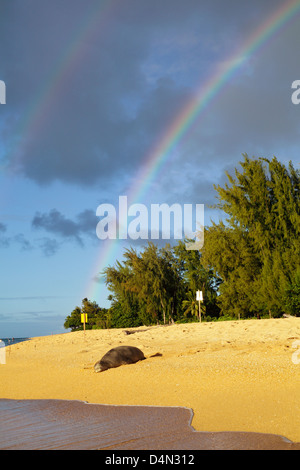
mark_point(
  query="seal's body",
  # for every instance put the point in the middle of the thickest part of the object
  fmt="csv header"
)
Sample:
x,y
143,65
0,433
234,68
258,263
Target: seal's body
x,y
118,356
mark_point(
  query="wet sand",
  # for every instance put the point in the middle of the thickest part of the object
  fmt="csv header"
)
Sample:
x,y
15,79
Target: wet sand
x,y
73,425
236,376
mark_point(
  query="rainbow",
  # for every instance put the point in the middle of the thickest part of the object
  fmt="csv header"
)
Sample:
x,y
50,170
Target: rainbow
x,y
97,18
159,155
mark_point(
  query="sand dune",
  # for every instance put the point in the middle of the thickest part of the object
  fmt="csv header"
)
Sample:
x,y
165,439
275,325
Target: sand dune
x,y
236,376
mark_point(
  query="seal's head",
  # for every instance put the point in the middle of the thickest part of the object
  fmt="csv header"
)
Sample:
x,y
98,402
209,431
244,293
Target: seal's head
x,y
98,367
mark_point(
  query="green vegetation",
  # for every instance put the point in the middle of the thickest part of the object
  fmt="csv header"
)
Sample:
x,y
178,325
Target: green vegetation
x,y
97,317
156,286
257,252
249,265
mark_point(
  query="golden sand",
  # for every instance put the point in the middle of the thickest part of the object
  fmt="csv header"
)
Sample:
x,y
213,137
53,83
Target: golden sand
x,y
236,376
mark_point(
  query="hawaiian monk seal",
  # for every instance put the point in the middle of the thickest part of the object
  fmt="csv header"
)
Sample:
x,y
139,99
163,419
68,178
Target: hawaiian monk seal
x,y
118,356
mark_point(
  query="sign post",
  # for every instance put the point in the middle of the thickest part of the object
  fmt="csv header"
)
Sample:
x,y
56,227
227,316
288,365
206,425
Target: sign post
x,y
84,320
199,297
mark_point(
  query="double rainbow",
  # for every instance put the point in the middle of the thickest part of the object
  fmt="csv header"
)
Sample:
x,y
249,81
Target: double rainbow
x,y
159,155
161,152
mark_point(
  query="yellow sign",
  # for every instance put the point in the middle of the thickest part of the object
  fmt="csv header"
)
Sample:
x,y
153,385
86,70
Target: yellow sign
x,y
84,318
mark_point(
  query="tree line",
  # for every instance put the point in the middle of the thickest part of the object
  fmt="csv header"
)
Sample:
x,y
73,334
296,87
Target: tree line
x,y
249,264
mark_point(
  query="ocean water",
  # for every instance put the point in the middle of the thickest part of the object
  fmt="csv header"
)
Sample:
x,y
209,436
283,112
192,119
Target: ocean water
x,y
9,341
75,425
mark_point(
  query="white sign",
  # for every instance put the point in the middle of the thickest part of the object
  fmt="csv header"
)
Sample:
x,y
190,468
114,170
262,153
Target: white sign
x,y
199,295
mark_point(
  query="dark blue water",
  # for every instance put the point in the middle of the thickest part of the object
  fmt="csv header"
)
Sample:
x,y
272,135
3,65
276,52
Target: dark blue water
x,y
9,341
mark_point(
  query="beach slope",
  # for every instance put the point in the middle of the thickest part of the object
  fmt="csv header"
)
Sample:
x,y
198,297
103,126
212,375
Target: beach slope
x,y
236,376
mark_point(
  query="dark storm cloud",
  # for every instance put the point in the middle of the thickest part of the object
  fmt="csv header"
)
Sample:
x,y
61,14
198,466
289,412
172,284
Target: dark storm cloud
x,y
85,134
125,83
56,223
80,229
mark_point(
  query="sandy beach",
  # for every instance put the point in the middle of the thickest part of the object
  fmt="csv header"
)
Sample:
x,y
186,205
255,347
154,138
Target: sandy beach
x,y
235,376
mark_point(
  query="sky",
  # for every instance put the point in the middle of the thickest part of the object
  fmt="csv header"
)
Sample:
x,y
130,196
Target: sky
x,y
150,99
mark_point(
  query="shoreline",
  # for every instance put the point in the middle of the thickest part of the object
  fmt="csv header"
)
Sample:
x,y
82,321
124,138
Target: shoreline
x,y
236,376
54,426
